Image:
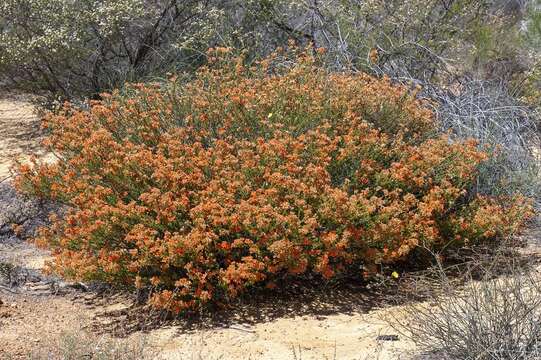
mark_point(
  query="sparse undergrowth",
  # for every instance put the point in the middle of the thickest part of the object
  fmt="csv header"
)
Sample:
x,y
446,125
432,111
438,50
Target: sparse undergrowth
x,y
78,345
247,174
494,315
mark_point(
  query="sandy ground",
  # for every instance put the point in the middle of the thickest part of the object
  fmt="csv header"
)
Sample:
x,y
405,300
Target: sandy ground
x,y
338,336
19,131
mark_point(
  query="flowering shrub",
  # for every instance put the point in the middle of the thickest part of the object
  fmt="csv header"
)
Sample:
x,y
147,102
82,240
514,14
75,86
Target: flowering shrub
x,y
76,49
246,174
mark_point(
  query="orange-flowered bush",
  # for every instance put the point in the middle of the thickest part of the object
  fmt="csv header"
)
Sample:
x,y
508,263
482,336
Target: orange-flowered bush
x,y
245,174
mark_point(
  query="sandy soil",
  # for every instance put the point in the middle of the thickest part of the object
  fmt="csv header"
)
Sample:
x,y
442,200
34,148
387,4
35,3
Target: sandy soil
x,y
337,336
19,130
29,322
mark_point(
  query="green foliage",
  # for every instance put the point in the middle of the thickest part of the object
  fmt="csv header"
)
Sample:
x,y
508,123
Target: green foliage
x,y
528,83
532,24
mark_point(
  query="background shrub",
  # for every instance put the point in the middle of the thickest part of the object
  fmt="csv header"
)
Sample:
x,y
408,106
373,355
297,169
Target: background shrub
x,y
251,172
412,39
75,49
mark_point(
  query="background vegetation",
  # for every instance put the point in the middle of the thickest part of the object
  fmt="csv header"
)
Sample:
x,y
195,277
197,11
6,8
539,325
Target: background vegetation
x,y
82,48
477,59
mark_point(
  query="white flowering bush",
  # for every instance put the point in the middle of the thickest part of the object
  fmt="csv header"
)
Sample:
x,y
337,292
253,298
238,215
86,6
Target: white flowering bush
x,y
80,48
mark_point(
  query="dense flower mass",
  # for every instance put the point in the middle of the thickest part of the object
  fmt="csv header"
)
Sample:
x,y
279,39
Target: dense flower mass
x,y
249,173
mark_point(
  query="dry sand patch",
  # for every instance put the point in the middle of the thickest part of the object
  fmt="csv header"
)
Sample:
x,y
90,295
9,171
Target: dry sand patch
x,y
20,133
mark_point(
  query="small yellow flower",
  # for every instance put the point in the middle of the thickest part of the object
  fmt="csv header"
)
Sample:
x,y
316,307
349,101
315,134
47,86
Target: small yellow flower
x,y
269,116
373,56
395,275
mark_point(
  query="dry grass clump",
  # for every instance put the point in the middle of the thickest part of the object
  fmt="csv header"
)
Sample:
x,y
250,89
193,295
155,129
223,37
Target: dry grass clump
x,y
495,314
78,345
249,173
